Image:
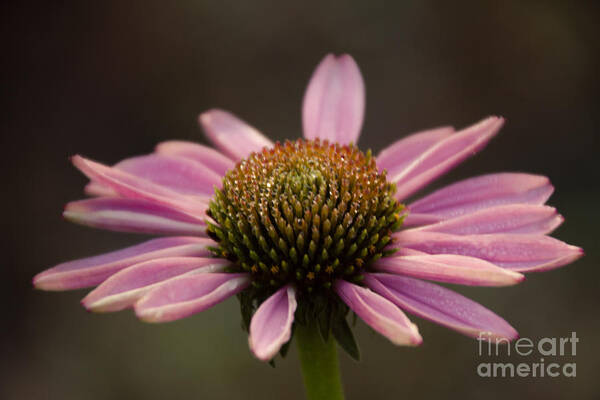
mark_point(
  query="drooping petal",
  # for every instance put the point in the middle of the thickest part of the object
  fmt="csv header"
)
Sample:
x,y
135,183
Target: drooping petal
x,y
441,306
92,271
271,325
122,289
204,155
231,135
186,295
512,218
484,191
128,185
401,153
444,155
133,215
379,313
449,268
519,252
334,102
181,175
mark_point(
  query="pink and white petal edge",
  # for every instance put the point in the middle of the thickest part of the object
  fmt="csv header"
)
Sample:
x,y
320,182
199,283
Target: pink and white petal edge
x,y
334,102
379,313
124,288
186,295
449,268
231,135
92,271
441,305
271,325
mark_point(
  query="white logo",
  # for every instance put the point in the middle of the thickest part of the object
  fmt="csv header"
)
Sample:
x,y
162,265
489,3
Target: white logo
x,y
553,348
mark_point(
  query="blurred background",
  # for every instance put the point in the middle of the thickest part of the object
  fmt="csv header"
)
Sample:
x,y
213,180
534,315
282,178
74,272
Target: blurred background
x,y
111,79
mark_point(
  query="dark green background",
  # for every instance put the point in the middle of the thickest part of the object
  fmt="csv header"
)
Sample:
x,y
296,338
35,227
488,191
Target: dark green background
x,y
111,79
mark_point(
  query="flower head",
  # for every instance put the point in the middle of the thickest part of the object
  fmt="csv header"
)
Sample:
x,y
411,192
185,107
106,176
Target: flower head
x,y
305,231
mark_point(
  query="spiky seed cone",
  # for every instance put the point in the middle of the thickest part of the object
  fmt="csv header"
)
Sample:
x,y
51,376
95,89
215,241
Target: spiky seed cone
x,y
307,212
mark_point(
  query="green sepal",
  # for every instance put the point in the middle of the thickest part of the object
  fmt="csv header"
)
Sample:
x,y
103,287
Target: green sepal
x,y
286,346
324,319
345,338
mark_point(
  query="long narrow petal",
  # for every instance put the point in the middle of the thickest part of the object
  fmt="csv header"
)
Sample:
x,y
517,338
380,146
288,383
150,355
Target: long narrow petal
x,y
404,151
379,313
133,215
231,135
485,191
522,253
181,175
128,185
271,325
125,287
441,306
449,268
445,155
92,271
186,295
512,218
334,102
204,155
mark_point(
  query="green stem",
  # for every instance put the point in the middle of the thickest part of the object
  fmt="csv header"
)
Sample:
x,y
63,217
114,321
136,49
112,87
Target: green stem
x,y
319,361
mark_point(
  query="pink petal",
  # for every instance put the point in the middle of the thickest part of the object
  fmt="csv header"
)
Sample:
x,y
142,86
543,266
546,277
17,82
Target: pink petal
x,y
271,325
133,215
379,313
405,251
122,289
441,306
418,219
181,175
131,186
512,218
186,295
231,135
334,102
97,189
397,156
204,155
519,252
444,155
449,268
92,271
485,191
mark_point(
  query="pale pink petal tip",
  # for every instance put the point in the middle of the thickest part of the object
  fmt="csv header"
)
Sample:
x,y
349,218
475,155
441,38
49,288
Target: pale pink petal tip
x,y
379,313
483,192
271,325
518,252
334,102
232,135
186,295
94,270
